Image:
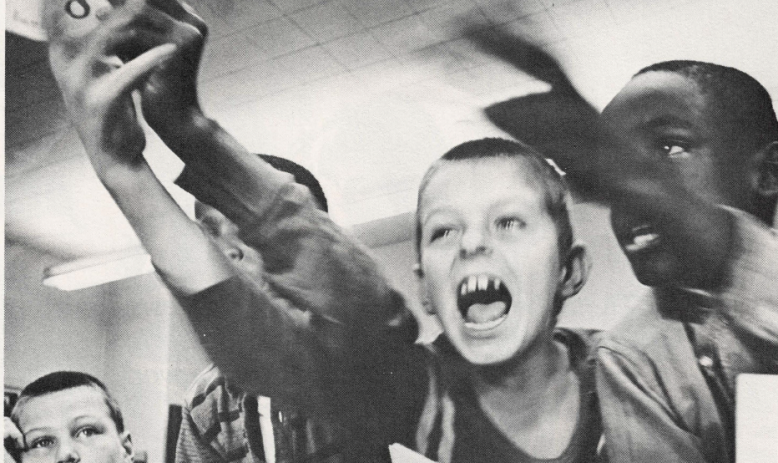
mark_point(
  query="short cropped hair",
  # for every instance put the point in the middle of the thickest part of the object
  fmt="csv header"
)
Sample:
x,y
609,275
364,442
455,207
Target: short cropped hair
x,y
301,175
555,189
740,102
64,380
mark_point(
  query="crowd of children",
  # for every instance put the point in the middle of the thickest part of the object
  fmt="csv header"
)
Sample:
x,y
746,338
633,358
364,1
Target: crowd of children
x,y
292,308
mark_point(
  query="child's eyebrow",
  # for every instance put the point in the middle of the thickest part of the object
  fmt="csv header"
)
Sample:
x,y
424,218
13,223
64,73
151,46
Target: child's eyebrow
x,y
668,120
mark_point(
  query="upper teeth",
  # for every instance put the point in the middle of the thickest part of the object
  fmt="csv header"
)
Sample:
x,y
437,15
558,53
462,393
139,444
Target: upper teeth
x,y
478,283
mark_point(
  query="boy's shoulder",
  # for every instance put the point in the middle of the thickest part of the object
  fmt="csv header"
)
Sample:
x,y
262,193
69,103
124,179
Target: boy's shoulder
x,y
646,333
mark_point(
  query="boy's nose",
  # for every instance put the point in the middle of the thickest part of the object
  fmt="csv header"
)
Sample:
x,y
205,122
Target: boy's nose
x,y
473,243
67,452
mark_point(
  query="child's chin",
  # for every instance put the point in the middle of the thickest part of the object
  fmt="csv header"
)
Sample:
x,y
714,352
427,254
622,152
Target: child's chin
x,y
487,355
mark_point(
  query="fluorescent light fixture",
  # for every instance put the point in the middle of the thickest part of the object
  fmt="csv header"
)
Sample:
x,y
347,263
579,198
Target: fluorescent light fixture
x,y
94,271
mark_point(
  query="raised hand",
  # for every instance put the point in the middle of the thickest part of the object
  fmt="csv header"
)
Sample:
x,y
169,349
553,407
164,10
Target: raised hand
x,y
169,96
97,87
13,441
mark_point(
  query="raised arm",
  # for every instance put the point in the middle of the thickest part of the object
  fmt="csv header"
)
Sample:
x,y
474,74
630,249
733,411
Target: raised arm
x,y
97,90
321,321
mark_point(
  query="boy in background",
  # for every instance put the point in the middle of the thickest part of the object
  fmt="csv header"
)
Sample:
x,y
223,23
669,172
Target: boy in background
x,y
221,423
667,374
66,417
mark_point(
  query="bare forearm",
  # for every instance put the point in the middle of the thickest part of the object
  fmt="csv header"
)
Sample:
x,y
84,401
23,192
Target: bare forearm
x,y
182,254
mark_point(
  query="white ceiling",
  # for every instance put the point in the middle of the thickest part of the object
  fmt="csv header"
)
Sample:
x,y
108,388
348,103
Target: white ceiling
x,y
364,93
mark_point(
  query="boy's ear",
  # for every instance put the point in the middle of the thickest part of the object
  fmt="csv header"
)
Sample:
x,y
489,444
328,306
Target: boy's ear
x,y
127,444
575,270
767,170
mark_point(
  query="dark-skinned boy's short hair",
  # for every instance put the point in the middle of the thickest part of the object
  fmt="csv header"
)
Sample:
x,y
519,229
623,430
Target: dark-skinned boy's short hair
x,y
64,380
740,102
555,189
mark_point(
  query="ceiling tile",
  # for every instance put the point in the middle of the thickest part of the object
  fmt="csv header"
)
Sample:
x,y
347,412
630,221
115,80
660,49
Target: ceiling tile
x,y
288,6
373,13
497,78
279,37
228,16
357,50
501,11
568,17
311,64
467,53
436,60
405,35
629,11
449,19
229,54
557,3
386,75
247,84
423,5
538,28
327,21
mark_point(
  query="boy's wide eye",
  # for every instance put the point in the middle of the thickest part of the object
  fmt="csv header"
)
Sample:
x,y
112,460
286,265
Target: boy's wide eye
x,y
441,233
510,223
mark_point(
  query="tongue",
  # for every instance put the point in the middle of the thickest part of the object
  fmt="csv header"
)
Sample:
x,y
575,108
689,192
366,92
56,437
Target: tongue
x,y
483,313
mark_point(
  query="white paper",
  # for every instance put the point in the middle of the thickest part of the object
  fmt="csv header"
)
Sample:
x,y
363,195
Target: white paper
x,y
402,454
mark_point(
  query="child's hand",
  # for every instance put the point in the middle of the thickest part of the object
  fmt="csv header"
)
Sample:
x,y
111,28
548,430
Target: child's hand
x,y
169,96
97,87
13,441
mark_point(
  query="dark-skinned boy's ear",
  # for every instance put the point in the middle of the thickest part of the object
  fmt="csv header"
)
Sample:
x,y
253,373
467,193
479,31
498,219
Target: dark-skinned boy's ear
x,y
575,271
767,164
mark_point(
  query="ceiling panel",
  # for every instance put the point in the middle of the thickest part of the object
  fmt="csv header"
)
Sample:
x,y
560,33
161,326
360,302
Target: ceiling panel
x,y
364,93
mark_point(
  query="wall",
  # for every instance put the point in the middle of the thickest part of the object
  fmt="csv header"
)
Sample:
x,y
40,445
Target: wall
x,y
46,329
117,332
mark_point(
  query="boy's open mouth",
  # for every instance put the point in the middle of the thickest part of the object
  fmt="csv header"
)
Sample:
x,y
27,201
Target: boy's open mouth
x,y
483,301
641,238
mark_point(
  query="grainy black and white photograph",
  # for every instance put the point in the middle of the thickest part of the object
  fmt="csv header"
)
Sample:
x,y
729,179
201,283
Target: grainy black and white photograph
x,y
391,231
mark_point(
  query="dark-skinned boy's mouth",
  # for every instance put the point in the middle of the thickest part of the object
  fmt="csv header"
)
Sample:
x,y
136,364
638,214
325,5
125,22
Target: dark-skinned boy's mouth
x,y
484,301
641,238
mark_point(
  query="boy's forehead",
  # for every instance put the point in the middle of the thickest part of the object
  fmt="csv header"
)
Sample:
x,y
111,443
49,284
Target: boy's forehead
x,y
60,407
490,177
664,94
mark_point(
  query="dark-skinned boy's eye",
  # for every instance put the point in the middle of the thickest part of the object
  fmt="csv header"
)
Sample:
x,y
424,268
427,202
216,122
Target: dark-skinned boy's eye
x,y
675,150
